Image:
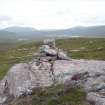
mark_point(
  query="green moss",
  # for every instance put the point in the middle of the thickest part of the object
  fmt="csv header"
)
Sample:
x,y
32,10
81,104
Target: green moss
x,y
74,97
54,95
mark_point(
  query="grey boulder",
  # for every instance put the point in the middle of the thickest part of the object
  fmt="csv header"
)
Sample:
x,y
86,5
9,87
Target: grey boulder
x,y
22,78
96,98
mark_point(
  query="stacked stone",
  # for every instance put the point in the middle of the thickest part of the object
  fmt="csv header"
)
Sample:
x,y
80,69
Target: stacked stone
x,y
49,51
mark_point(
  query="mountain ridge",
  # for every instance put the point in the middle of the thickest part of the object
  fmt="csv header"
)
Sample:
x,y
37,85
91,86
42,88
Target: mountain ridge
x,y
31,33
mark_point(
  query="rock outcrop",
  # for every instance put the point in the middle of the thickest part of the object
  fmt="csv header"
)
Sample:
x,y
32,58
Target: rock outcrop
x,y
96,98
53,66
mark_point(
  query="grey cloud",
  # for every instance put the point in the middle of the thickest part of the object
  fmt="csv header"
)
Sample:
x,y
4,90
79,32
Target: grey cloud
x,y
66,11
5,21
5,18
92,20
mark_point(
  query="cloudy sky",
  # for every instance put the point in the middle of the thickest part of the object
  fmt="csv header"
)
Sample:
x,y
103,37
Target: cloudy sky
x,y
51,14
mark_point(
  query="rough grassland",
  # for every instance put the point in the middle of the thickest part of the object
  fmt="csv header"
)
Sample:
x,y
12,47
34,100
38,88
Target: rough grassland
x,y
22,53
79,48
84,48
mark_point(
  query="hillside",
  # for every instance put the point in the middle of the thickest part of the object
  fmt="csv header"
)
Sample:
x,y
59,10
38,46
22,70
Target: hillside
x,y
85,48
61,94
7,36
79,48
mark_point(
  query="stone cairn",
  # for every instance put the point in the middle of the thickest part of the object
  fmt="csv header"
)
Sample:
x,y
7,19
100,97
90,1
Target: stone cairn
x,y
48,52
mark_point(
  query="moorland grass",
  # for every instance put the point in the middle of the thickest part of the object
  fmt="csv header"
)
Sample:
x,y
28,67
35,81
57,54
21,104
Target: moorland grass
x,y
87,48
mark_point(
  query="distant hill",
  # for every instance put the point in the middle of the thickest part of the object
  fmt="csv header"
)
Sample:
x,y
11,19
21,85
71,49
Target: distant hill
x,y
18,29
95,31
7,36
19,33
28,33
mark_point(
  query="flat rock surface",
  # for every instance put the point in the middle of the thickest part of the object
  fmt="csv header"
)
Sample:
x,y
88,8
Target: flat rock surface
x,y
21,78
79,66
